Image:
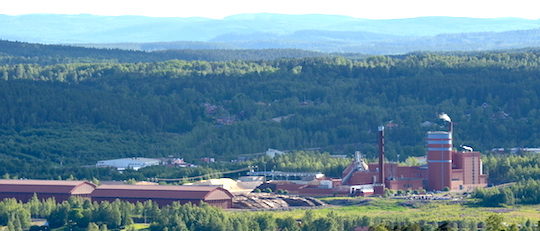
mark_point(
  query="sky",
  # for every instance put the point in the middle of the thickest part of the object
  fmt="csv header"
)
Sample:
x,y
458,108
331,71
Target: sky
x,y
372,9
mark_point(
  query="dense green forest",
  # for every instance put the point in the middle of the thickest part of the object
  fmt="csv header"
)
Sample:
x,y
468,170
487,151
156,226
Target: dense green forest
x,y
29,53
64,114
523,192
511,168
519,175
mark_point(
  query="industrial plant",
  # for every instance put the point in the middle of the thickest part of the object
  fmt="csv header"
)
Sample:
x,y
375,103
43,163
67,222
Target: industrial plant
x,y
446,170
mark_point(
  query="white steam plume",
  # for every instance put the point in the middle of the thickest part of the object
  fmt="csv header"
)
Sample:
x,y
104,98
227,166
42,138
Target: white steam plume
x,y
445,117
467,148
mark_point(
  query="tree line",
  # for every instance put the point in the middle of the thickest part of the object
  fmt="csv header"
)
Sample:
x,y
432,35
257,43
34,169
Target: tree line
x,y
82,214
30,53
507,168
519,177
522,192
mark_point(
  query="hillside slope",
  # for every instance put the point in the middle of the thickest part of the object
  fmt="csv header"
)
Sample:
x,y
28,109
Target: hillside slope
x,y
77,113
21,52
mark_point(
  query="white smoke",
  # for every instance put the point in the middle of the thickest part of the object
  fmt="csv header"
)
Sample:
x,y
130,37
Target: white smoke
x,y
445,117
467,148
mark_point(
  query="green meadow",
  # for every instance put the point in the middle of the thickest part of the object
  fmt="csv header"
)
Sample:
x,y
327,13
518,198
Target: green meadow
x,y
403,210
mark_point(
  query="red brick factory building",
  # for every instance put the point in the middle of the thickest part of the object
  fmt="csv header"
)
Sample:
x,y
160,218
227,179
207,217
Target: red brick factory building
x,y
446,168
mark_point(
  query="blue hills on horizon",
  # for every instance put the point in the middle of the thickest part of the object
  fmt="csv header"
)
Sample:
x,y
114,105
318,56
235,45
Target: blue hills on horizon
x,y
327,33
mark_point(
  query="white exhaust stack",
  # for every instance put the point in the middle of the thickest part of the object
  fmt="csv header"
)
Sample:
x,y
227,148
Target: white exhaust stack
x,y
446,118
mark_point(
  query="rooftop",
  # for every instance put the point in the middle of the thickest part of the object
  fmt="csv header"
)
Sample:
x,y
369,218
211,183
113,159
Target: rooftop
x,y
437,132
160,191
46,186
142,159
42,182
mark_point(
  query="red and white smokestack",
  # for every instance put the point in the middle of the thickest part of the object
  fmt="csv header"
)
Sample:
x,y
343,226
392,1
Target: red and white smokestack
x,y
439,157
381,155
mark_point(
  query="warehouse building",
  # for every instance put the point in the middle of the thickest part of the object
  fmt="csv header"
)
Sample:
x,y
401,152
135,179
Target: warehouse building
x,y
164,194
24,190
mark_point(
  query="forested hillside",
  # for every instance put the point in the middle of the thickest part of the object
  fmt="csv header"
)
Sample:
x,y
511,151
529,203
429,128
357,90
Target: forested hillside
x,y
31,53
72,114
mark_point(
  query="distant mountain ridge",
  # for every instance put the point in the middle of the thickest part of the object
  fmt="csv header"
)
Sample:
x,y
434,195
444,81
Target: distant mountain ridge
x,y
326,33
110,29
352,42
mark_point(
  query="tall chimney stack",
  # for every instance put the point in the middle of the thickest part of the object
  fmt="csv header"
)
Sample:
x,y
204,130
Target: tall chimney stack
x,y
378,185
381,155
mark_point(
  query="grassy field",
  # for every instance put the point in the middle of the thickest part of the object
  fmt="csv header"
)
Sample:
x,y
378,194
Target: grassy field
x,y
393,209
138,226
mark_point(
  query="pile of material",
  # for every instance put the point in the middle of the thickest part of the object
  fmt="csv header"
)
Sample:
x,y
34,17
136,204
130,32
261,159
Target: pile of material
x,y
235,187
272,201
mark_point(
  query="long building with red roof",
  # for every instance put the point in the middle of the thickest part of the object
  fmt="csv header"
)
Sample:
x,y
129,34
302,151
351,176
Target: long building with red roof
x,y
24,190
61,190
165,194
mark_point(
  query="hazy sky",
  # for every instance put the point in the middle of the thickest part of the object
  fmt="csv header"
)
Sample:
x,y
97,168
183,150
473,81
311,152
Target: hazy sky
x,y
376,9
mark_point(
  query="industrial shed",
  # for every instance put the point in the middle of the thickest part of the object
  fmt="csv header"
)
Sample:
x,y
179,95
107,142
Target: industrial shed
x,y
164,194
23,190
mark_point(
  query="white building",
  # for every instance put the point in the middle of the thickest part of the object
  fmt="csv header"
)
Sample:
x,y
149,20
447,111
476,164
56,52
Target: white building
x,y
134,163
273,152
